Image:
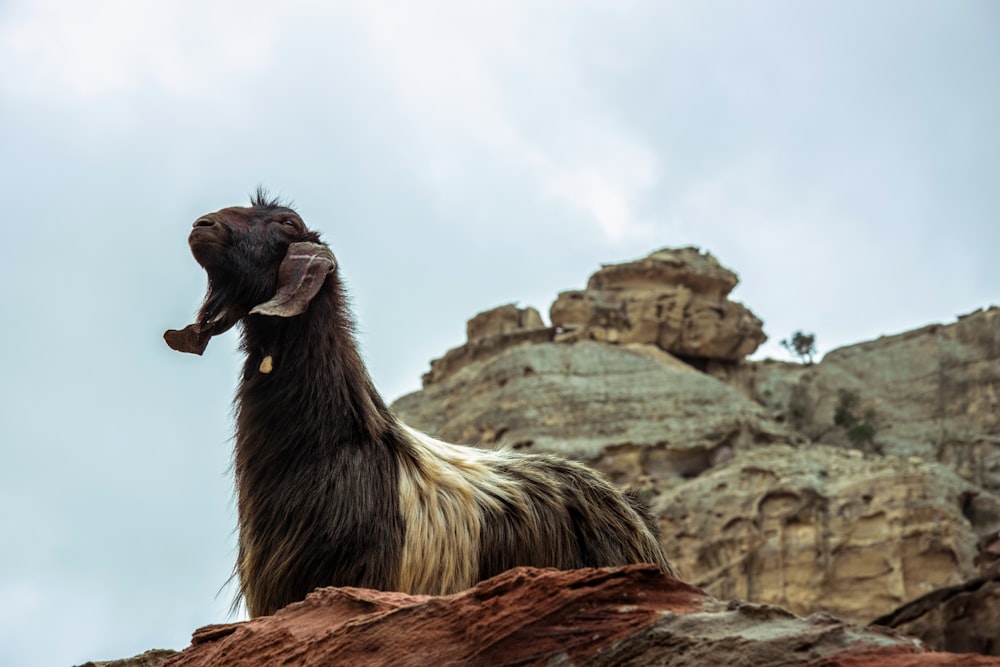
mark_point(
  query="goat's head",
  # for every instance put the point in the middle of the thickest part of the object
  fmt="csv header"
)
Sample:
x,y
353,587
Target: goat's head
x,y
260,259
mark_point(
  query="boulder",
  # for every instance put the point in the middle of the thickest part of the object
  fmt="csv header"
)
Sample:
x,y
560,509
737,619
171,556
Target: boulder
x,y
502,321
675,299
964,618
490,333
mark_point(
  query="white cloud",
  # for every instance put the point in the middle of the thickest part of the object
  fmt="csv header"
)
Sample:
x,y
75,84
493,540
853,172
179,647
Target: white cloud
x,y
500,87
505,82
607,184
90,49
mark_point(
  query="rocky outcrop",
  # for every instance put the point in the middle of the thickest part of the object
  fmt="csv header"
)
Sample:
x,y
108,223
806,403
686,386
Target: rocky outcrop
x,y
932,393
675,299
151,658
750,507
488,334
743,512
631,410
622,616
820,528
962,619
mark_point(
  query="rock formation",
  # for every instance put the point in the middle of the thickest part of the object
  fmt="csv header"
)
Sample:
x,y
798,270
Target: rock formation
x,y
762,489
608,617
961,619
934,393
488,333
629,409
675,299
152,658
819,528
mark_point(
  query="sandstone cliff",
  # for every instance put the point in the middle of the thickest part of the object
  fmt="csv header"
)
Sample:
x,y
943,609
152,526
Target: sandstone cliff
x,y
760,494
934,393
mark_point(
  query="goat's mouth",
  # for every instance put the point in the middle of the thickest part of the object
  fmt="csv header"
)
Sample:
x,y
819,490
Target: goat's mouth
x,y
206,246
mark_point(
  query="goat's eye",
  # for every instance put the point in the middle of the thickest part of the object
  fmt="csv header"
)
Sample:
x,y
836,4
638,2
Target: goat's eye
x,y
289,223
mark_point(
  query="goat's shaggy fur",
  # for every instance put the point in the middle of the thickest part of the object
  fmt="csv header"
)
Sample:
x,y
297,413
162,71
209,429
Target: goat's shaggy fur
x,y
331,488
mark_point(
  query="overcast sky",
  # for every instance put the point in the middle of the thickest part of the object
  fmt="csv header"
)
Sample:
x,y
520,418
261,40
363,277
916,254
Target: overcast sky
x,y
843,157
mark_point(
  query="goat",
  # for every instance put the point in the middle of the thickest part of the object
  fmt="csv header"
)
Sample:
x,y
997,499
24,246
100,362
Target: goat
x,y
332,489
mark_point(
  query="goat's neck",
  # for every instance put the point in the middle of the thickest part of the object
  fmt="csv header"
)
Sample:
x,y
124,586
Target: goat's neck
x,y
315,392
315,462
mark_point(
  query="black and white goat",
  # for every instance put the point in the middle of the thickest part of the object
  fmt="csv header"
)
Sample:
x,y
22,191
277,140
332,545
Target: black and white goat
x,y
333,490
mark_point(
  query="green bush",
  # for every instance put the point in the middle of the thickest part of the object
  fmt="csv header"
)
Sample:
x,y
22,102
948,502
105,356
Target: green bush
x,y
860,430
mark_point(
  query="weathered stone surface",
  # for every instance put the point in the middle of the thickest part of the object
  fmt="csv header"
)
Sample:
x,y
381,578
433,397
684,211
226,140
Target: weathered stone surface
x,y
819,528
634,411
988,559
490,333
961,619
863,533
502,320
674,299
934,393
619,616
151,658
854,532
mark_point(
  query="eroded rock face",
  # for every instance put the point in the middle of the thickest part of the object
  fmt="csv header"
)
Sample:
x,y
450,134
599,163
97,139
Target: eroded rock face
x,y
963,619
809,527
633,411
856,532
503,321
490,333
615,616
819,528
675,299
151,658
750,506
933,392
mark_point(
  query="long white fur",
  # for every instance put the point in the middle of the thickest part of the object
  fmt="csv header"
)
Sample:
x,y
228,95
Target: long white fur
x,y
440,496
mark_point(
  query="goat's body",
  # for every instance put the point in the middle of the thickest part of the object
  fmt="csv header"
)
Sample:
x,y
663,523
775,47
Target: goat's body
x,y
332,490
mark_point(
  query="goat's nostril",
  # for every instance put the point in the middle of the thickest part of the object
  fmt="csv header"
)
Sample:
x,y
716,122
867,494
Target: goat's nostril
x,y
203,222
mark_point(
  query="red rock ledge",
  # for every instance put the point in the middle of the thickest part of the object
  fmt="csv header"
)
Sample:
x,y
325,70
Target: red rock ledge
x,y
614,616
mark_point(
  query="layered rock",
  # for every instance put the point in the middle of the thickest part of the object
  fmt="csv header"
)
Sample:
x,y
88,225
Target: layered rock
x,y
489,333
820,528
632,411
151,658
675,299
933,393
810,527
964,618
857,533
615,616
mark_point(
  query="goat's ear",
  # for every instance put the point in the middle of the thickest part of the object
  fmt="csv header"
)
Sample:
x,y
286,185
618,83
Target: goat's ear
x,y
300,276
194,337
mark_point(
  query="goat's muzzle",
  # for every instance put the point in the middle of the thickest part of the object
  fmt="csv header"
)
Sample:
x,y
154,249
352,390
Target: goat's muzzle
x,y
208,238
